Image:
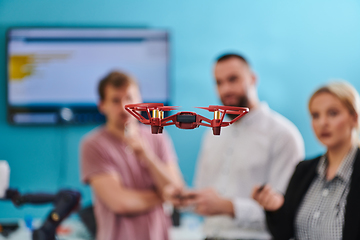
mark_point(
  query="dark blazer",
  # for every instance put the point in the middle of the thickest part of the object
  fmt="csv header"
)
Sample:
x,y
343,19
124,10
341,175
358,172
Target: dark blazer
x,y
281,222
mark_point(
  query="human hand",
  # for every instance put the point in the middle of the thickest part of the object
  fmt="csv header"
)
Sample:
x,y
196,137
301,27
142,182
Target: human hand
x,y
207,202
172,194
267,198
178,196
135,143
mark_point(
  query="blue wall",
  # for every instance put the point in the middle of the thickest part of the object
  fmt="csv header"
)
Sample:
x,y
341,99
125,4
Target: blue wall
x,y
293,46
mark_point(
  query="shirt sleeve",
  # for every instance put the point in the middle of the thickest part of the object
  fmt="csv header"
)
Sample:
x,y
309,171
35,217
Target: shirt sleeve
x,y
287,151
94,161
248,214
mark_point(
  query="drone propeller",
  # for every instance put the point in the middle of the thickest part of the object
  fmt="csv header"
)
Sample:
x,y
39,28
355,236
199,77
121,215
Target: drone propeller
x,y
219,114
167,108
232,112
150,107
144,106
154,111
213,108
205,108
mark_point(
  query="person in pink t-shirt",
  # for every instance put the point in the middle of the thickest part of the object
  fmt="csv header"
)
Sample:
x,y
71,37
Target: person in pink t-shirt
x,y
127,168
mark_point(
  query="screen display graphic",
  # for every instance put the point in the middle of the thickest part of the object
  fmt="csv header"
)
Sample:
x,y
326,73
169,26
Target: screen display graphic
x,y
53,73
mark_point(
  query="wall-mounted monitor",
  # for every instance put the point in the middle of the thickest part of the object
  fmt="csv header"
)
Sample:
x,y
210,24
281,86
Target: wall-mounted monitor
x,y
53,73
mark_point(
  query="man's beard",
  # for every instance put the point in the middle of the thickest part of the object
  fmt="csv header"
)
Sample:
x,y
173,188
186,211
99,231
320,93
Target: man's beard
x,y
242,101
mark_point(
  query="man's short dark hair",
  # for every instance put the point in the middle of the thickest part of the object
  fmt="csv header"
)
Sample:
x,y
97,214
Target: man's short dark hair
x,y
115,79
232,55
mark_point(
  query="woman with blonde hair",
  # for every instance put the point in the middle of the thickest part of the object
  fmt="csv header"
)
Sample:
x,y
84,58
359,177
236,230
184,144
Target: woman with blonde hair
x,y
322,200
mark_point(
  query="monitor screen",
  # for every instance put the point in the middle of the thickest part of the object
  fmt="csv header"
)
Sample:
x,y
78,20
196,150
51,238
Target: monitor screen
x,y
53,73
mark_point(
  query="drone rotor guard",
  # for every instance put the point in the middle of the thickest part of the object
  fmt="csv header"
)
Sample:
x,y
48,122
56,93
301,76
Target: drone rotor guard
x,y
218,120
184,120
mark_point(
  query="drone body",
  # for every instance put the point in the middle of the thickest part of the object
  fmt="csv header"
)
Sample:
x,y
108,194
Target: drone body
x,y
183,120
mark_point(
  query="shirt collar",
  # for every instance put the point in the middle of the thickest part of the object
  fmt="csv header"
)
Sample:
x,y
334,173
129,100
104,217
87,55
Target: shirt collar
x,y
346,167
321,169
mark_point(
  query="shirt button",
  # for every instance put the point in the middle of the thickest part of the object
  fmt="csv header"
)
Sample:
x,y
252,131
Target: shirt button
x,y
316,215
325,192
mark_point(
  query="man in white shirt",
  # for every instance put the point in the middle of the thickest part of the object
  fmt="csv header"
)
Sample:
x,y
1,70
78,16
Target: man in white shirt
x,y
262,147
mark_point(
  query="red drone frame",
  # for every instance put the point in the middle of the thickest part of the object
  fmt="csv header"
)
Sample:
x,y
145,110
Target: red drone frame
x,y
183,120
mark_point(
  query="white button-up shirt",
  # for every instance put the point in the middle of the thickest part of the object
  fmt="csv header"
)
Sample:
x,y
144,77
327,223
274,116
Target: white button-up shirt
x,y
262,147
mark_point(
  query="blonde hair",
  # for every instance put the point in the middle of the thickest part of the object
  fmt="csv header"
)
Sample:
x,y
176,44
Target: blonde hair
x,y
348,96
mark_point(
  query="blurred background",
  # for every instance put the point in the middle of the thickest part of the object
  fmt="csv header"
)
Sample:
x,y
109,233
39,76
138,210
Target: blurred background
x,y
294,46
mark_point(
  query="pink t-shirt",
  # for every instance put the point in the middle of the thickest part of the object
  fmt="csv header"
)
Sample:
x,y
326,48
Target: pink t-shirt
x,y
102,152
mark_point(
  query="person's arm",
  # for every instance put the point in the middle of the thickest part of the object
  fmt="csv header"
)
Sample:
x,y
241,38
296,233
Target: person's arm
x,y
269,199
121,200
287,151
208,202
280,210
98,170
163,171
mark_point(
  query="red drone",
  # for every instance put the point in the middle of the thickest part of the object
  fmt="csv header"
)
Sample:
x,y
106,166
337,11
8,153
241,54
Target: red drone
x,y
183,120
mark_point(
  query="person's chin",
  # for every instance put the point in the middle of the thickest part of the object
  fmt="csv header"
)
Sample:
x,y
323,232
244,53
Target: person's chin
x,y
328,142
125,119
121,122
229,103
234,102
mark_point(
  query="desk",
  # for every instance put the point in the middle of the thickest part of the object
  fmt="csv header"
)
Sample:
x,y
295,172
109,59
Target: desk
x,y
190,229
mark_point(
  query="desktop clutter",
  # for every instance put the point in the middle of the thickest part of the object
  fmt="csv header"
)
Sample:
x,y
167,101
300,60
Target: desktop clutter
x,y
65,202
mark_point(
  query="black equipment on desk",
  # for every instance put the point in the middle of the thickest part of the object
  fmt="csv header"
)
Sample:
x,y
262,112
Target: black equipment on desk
x,y
65,202
7,228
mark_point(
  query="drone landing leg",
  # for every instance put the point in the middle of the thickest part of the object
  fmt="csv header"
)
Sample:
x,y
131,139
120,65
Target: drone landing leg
x,y
216,130
155,129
